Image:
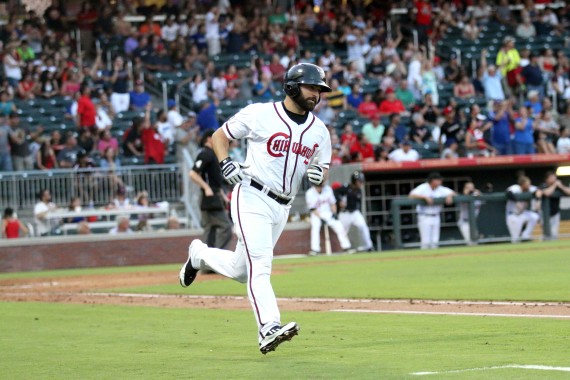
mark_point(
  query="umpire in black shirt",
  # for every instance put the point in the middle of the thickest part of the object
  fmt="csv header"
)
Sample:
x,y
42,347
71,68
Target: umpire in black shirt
x,y
207,174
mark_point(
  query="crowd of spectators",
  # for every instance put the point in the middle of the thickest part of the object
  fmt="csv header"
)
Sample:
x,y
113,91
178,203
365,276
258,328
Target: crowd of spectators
x,y
377,71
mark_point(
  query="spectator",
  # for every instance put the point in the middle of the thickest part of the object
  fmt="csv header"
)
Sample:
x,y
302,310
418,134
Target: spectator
x,y
153,146
548,130
41,210
349,201
45,157
27,87
503,14
48,87
428,109
522,213
391,104
11,225
532,76
12,66
475,143
336,98
491,80
533,103
554,189
355,98
132,142
420,132
110,161
219,84
71,85
405,95
362,150
86,112
450,150
547,62
501,135
464,89
453,70
373,130
139,98
508,60
213,31
451,128
423,12
85,141
186,135
471,30
524,129
172,223
22,156
368,107
405,153
563,143
429,80
264,88
164,128
169,31
119,79
526,29
207,116
5,156
123,226
121,201
429,218
67,157
106,140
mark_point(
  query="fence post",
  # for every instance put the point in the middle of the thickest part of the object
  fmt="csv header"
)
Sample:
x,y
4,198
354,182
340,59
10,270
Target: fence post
x,y
396,223
546,218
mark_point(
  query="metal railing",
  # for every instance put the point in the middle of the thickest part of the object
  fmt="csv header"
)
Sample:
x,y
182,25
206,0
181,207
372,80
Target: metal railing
x,y
98,186
397,204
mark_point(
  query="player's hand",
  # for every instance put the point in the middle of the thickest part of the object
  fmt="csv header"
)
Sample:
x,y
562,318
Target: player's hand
x,y
316,174
208,191
232,171
429,200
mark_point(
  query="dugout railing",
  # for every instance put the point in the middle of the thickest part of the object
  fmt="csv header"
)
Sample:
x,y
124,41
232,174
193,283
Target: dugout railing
x,y
492,217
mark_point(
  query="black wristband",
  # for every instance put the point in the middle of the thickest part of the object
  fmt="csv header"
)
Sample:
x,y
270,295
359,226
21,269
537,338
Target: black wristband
x,y
225,161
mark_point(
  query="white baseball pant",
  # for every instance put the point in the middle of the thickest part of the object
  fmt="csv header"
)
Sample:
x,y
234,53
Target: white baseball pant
x,y
429,226
336,226
465,230
554,226
515,224
259,222
355,218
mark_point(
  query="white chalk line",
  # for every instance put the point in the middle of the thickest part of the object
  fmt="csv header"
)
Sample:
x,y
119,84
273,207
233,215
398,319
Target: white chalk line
x,y
515,366
451,313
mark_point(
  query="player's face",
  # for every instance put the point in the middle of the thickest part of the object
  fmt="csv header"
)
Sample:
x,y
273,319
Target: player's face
x,y
309,97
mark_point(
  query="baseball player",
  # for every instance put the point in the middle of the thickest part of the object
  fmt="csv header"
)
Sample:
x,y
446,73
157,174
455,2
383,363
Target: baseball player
x,y
553,188
429,218
285,141
463,222
349,201
322,204
520,213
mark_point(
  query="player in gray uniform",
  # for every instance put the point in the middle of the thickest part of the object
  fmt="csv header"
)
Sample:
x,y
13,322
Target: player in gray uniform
x,y
349,203
522,213
285,142
553,188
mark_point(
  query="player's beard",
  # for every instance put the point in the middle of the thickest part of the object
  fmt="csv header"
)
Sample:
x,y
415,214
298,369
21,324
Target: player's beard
x,y
306,104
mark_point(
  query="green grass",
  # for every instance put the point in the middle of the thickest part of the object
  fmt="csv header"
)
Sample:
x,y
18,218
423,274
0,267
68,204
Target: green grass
x,y
528,272
58,341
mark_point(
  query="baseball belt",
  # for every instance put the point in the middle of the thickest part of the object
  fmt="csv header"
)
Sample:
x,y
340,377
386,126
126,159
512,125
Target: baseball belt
x,y
264,189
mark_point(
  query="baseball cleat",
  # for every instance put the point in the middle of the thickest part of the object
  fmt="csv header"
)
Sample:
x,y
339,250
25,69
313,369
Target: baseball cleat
x,y
313,253
277,335
187,272
350,251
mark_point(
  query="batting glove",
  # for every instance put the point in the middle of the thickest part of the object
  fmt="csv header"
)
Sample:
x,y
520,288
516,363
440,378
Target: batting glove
x,y
232,171
316,174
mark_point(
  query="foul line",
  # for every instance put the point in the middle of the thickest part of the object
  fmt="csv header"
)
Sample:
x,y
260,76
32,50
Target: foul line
x,y
452,313
516,366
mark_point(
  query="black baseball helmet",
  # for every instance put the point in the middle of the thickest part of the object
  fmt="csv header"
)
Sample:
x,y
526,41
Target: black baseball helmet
x,y
304,73
357,176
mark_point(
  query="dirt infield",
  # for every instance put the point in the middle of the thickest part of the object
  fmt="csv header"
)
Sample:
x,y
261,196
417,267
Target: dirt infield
x,y
90,289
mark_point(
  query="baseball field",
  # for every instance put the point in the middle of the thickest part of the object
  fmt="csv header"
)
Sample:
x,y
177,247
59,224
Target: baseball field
x,y
488,312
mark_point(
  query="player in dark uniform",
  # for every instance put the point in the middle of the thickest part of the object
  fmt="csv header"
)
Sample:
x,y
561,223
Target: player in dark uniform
x,y
554,189
207,174
349,199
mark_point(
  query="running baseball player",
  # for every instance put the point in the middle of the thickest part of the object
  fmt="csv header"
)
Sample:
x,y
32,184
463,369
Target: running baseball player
x,y
321,202
285,141
350,201
522,213
429,218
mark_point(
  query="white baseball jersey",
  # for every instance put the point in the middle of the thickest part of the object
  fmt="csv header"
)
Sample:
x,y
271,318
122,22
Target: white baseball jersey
x,y
279,150
425,190
517,207
321,201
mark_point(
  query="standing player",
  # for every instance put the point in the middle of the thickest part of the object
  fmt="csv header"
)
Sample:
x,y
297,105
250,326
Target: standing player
x,y
463,222
207,174
350,200
522,213
429,218
285,141
554,189
322,204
